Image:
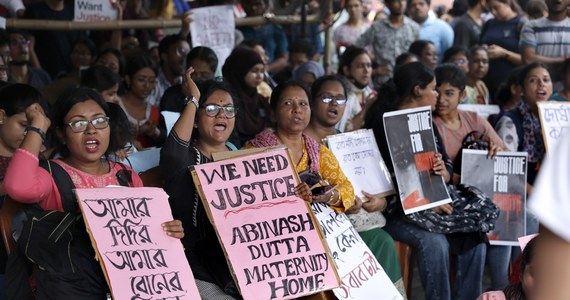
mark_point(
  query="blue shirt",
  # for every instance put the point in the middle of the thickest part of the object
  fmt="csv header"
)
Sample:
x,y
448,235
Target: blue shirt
x,y
439,32
271,35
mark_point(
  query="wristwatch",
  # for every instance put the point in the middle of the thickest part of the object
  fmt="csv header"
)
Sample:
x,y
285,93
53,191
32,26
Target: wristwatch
x,y
192,99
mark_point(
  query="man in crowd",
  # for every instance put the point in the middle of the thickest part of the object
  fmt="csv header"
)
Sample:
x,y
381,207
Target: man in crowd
x,y
431,28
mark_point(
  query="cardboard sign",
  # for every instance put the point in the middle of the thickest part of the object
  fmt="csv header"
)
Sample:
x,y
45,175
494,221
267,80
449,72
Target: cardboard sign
x,y
137,257
555,122
483,110
361,162
94,11
503,179
362,275
411,142
214,27
268,234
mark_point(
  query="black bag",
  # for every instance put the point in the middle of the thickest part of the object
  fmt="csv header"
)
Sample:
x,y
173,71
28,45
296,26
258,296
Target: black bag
x,y
473,211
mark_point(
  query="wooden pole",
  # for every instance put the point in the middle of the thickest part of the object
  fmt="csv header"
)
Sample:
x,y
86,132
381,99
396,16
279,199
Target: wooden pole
x,y
142,24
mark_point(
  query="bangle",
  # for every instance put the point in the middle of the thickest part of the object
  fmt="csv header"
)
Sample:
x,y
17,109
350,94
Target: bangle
x,y
40,132
331,198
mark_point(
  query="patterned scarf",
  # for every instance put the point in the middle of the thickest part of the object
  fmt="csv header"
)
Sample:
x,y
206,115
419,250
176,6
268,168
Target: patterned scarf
x,y
532,136
268,138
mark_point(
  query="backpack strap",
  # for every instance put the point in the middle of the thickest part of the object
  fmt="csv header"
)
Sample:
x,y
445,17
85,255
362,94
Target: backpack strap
x,y
64,185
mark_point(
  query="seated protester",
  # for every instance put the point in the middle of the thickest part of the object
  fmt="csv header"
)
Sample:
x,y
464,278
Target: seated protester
x,y
356,66
309,72
453,124
520,127
523,288
243,70
509,92
112,59
550,267
103,80
328,96
145,119
425,51
204,127
564,94
82,123
405,58
457,55
414,86
268,84
22,54
204,62
300,52
291,101
454,127
476,90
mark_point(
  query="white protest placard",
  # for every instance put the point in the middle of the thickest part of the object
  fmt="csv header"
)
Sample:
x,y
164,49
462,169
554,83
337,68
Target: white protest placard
x,y
137,257
214,27
555,121
94,11
2,23
141,161
362,276
361,162
483,110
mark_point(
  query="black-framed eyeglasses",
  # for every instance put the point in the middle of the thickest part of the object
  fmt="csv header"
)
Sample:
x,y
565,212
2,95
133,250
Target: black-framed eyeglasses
x,y
213,110
81,125
337,100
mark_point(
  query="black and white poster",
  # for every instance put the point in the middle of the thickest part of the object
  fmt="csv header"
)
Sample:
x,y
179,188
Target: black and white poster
x,y
503,179
411,142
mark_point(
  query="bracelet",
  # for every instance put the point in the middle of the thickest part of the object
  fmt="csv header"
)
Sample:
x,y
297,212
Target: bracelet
x,y
40,132
331,198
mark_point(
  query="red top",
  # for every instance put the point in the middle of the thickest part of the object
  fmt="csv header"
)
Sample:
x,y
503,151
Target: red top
x,y
27,182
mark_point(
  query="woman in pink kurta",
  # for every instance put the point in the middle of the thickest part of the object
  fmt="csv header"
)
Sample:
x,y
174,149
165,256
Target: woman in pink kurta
x,y
65,267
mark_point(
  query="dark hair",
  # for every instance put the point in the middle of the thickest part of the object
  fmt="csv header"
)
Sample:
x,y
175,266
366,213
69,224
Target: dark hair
x,y
474,49
401,59
348,56
450,52
167,42
451,74
120,58
473,3
120,128
409,4
458,8
528,68
391,96
207,88
398,90
302,46
251,43
536,8
138,62
318,85
65,103
503,94
204,54
87,42
4,40
280,89
527,256
17,97
418,46
99,78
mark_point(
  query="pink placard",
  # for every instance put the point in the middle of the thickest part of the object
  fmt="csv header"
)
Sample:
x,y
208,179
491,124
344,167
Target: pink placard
x,y
268,234
140,260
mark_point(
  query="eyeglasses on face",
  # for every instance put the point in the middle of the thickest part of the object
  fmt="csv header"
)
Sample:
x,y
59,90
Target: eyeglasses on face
x,y
19,42
181,51
213,110
81,125
329,99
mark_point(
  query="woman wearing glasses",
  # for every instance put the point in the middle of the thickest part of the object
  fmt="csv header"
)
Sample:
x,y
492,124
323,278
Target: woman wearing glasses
x,y
327,105
140,81
84,141
204,127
